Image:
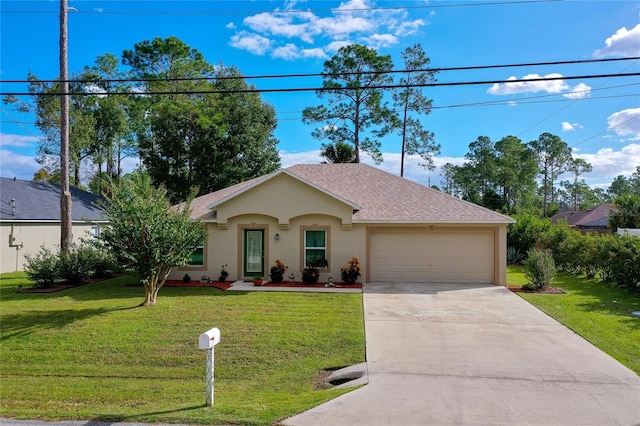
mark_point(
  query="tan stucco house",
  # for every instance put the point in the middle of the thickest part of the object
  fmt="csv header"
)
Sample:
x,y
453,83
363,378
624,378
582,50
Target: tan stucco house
x,y
30,218
400,230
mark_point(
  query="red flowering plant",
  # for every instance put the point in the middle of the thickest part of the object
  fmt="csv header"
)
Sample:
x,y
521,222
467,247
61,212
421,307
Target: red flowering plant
x,y
351,272
276,272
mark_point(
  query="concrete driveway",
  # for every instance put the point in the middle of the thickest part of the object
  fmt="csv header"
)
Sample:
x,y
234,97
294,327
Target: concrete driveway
x,y
465,354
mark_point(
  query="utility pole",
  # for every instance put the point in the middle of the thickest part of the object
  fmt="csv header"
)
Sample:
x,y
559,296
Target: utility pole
x,y
66,231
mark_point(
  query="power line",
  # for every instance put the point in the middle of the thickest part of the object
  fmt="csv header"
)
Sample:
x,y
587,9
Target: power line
x,y
286,11
325,89
308,75
567,106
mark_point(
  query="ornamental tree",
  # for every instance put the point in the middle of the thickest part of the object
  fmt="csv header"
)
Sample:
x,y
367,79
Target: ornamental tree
x,y
145,234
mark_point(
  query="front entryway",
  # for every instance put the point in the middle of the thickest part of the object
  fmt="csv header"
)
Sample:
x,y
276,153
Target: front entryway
x,y
253,252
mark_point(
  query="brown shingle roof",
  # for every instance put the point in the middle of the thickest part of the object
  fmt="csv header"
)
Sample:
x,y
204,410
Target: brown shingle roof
x,y
597,217
380,196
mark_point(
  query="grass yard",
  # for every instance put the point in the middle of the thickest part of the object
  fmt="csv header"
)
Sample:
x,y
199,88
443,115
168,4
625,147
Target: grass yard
x,y
91,353
599,312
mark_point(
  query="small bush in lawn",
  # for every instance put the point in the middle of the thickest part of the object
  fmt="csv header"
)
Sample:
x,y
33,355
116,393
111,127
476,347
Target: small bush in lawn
x,y
43,267
539,268
529,287
624,260
525,232
77,264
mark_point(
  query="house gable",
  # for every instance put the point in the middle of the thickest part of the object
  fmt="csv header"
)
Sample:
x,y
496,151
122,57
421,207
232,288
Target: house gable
x,y
283,197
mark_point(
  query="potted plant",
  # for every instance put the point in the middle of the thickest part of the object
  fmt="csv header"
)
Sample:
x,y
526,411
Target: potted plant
x,y
311,273
351,272
186,278
257,281
277,271
223,274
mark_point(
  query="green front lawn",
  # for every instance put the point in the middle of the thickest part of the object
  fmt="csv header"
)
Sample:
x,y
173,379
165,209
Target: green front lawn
x,y
599,312
91,353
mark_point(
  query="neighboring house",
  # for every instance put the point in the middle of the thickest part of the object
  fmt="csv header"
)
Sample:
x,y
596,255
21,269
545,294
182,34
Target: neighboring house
x,y
30,218
592,220
400,230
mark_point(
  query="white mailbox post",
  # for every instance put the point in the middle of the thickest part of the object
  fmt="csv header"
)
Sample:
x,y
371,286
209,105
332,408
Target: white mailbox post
x,y
207,341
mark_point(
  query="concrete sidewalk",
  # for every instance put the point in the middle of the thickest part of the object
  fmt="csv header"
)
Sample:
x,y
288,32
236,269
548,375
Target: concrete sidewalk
x,y
464,354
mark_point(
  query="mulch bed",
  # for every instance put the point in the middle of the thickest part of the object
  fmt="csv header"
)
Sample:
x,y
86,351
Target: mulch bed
x,y
550,290
316,285
220,285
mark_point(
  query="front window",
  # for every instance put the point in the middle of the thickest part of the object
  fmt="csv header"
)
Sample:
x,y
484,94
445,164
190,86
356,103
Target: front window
x,y
95,233
197,256
315,246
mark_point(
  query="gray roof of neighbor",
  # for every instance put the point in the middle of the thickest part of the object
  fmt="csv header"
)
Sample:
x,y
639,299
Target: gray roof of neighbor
x,y
380,196
40,201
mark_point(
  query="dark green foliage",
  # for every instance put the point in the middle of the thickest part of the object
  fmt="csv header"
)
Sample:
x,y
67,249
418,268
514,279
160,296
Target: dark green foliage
x,y
209,141
627,213
622,255
339,152
524,234
350,79
351,271
77,264
146,235
311,273
539,268
43,267
276,273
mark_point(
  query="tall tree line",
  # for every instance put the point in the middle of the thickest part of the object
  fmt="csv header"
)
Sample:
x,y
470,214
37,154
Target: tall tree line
x,y
139,105
513,176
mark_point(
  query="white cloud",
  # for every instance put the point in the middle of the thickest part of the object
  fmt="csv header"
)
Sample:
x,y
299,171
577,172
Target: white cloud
x,y
231,26
288,51
550,86
334,46
555,86
351,20
625,123
376,41
622,43
20,141
608,163
16,165
579,91
250,42
568,127
314,53
291,51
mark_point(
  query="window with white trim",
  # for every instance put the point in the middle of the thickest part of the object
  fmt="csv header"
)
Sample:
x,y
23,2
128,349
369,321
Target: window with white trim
x,y
315,245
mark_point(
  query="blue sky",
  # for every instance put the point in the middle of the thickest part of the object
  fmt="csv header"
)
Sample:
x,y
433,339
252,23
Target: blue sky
x,y
598,118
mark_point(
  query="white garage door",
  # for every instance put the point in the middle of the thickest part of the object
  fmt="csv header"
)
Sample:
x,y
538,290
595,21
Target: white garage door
x,y
432,257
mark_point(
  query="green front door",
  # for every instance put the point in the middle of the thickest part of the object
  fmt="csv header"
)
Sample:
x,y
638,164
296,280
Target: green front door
x,y
253,253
